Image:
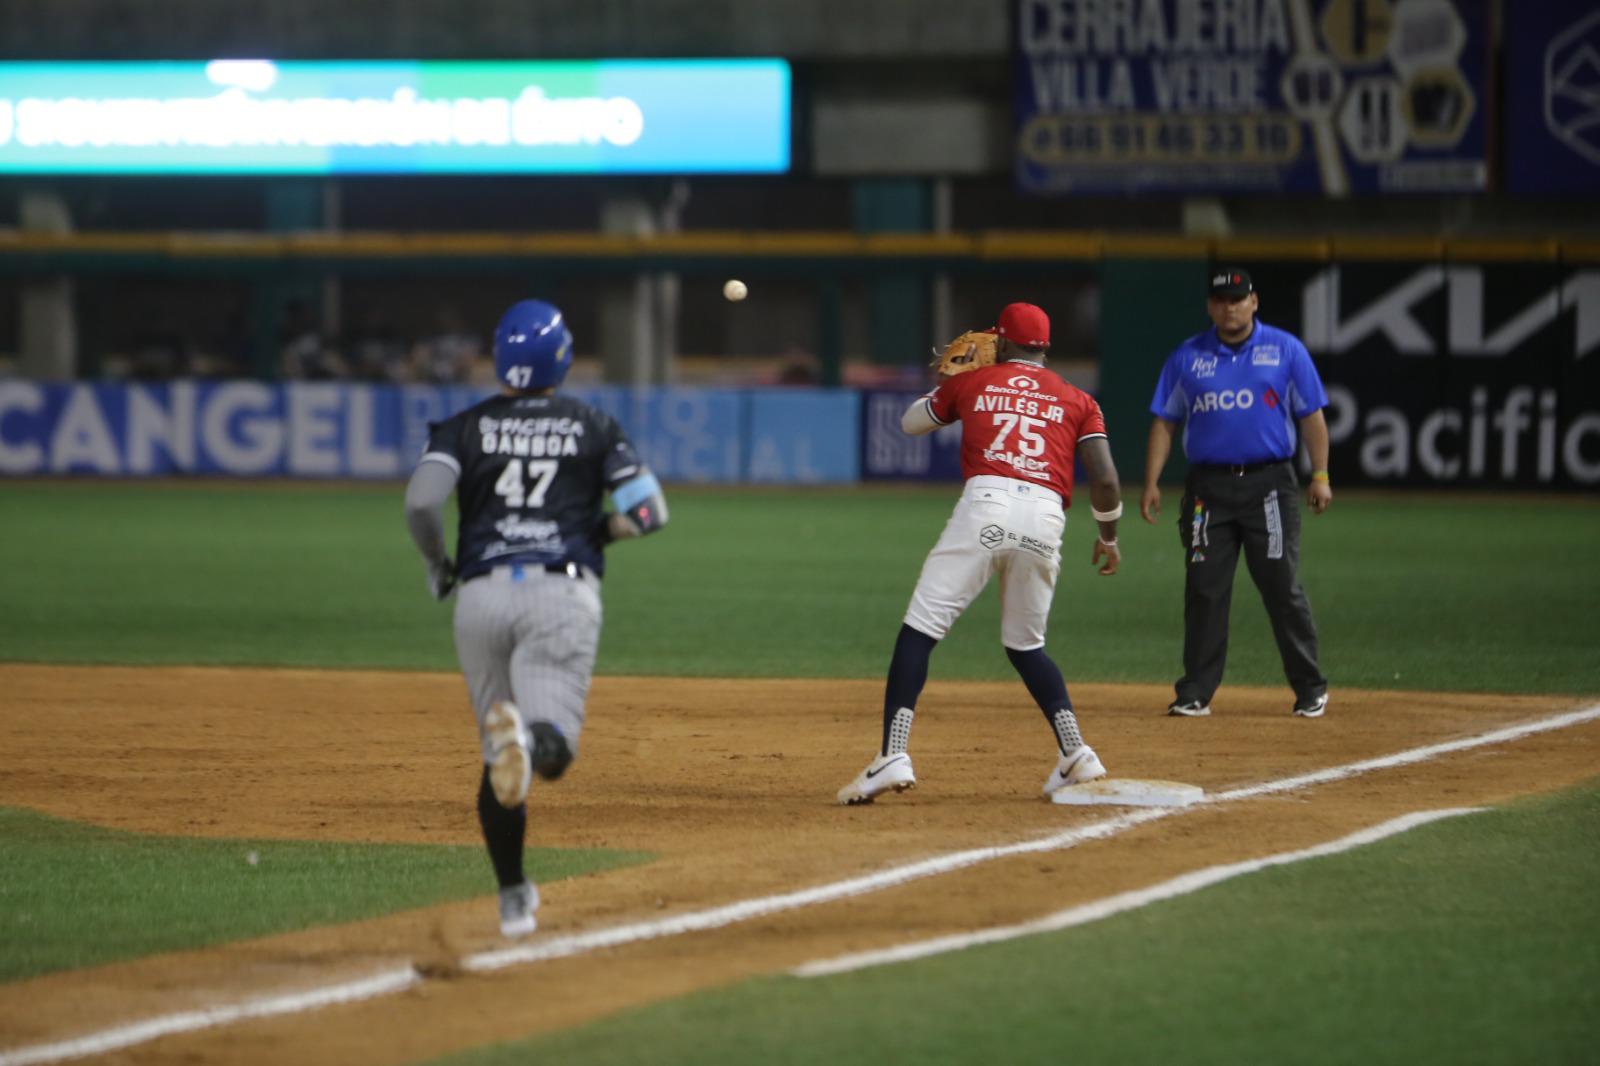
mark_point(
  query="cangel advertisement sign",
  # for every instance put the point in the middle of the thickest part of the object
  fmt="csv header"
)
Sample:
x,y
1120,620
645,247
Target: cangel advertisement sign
x,y
1317,96
1458,374
259,116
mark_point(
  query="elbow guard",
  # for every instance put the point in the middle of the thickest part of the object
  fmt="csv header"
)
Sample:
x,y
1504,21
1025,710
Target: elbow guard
x,y
640,502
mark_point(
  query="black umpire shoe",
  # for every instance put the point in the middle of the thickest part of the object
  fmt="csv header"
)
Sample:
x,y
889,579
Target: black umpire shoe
x,y
1311,706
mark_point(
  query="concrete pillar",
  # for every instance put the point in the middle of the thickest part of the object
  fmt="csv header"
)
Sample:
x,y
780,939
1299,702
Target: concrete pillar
x,y
943,215
897,305
292,204
669,290
628,316
48,340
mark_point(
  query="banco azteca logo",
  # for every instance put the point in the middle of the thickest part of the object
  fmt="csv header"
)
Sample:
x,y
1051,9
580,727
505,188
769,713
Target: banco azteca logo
x,y
1020,382
991,536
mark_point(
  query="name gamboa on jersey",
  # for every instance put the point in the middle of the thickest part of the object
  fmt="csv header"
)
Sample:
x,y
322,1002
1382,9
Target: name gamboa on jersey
x,y
534,472
1018,420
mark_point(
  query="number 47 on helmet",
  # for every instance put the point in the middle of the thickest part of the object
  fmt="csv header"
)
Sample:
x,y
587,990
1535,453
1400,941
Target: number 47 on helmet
x,y
532,346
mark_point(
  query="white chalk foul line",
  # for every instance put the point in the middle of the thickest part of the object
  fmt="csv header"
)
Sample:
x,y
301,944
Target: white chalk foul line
x,y
381,984
717,917
1126,901
560,947
744,910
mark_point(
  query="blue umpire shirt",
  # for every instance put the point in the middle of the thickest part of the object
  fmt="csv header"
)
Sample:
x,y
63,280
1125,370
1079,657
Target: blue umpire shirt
x,y
1238,404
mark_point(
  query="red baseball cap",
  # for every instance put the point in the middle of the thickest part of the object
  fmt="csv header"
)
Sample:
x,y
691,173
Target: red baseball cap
x,y
1024,324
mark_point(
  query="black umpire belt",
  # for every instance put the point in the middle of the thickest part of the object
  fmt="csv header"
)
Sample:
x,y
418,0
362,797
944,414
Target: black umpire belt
x,y
572,570
1239,469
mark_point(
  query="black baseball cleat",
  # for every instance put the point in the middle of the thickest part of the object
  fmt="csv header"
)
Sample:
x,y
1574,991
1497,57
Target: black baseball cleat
x,y
1188,709
551,754
1311,706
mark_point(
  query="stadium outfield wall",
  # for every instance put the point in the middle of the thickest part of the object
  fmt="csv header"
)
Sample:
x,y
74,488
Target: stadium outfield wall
x,y
329,430
1507,431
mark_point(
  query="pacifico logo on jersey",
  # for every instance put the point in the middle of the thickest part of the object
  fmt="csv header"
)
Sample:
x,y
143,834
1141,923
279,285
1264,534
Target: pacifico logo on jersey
x,y
1226,400
534,437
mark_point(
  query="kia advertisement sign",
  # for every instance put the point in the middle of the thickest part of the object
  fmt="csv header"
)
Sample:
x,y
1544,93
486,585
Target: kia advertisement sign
x,y
1451,374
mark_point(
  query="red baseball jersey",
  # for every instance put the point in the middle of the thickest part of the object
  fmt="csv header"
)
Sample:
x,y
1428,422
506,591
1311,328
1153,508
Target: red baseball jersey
x,y
1018,420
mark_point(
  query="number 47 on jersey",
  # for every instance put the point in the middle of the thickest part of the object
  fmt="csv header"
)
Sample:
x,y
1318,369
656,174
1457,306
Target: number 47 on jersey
x,y
516,492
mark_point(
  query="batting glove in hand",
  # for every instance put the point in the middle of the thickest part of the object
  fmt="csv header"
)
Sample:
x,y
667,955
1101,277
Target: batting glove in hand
x,y
442,579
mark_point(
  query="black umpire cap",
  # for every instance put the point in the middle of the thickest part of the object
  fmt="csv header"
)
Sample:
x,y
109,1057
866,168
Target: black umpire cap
x,y
1231,283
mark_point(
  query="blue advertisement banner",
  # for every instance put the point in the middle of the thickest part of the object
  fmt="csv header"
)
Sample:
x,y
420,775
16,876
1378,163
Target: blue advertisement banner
x,y
888,453
316,430
1337,97
1553,98
802,438
259,116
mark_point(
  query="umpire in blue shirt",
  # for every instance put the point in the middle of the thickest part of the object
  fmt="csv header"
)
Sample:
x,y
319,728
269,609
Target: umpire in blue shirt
x,y
1237,390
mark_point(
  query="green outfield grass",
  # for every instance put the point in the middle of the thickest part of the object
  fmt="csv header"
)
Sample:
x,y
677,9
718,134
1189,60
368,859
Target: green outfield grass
x,y
1403,952
73,895
1409,591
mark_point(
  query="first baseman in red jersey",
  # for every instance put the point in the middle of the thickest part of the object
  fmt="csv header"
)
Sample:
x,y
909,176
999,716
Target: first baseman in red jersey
x,y
1018,420
1021,428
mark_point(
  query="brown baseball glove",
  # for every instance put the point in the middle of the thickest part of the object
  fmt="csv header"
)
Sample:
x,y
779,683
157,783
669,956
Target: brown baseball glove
x,y
967,352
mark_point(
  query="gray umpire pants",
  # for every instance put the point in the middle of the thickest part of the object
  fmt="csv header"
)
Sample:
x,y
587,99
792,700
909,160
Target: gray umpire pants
x,y
1258,510
529,636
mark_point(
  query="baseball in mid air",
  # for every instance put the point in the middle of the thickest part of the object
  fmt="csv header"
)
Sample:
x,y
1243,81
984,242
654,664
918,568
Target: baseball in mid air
x,y
735,290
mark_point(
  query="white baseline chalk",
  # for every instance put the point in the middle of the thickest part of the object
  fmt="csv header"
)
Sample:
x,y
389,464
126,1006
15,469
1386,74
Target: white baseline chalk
x,y
1085,913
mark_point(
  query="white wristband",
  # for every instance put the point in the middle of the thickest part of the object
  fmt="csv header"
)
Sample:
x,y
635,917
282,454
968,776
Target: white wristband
x,y
1112,543
1107,516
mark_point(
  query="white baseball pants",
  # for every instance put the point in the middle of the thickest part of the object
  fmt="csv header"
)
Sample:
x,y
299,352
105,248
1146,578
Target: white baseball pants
x,y
1000,526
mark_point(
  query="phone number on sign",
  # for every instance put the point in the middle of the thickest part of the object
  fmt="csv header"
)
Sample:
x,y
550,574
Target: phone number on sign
x,y
1055,139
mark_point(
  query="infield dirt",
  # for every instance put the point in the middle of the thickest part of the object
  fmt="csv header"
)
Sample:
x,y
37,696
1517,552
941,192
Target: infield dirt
x,y
730,782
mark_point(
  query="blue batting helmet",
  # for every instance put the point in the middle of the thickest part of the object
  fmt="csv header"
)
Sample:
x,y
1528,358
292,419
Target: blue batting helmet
x,y
532,346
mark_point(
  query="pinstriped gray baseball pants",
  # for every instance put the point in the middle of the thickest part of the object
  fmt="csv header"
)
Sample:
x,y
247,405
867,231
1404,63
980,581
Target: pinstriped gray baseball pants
x,y
529,636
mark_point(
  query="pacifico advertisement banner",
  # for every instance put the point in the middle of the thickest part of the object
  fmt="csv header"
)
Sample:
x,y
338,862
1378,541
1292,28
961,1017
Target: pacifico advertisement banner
x,y
1336,97
1451,374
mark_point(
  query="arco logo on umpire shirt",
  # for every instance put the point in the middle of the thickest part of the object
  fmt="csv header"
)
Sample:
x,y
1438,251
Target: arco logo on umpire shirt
x,y
1226,400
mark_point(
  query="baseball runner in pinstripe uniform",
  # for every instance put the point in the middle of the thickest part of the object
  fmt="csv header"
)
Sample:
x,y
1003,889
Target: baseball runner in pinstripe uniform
x,y
531,470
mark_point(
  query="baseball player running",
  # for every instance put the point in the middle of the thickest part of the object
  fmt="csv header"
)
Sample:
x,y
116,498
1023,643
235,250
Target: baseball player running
x,y
1020,428
531,470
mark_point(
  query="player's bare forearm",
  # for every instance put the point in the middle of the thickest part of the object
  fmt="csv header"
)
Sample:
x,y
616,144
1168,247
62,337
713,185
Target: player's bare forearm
x,y
1157,448
1105,488
641,508
1314,431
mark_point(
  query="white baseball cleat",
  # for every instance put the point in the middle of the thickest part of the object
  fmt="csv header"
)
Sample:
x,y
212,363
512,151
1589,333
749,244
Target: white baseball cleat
x,y
1188,709
517,905
1079,766
882,774
510,771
